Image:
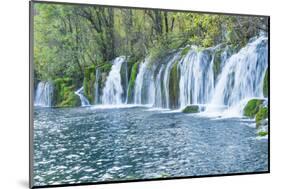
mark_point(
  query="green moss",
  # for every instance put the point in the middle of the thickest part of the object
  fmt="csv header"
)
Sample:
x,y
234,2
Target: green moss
x,y
252,107
174,87
217,63
88,82
64,95
106,67
262,133
191,109
261,115
265,84
70,100
185,51
133,75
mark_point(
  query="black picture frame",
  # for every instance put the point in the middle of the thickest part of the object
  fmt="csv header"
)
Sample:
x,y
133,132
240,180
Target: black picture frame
x,y
31,93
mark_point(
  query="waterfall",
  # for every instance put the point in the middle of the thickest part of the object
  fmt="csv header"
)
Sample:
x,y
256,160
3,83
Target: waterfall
x,y
212,77
167,78
124,81
196,78
241,77
113,90
43,95
158,88
84,100
96,86
144,85
139,82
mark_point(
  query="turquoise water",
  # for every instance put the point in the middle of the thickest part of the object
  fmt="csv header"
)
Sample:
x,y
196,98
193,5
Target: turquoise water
x,y
76,145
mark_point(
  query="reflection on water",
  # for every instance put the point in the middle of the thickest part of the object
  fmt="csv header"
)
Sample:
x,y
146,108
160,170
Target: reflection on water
x,y
92,145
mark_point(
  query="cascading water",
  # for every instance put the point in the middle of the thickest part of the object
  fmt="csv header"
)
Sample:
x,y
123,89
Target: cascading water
x,y
241,78
167,78
84,100
158,88
139,82
112,92
196,78
236,78
44,94
144,84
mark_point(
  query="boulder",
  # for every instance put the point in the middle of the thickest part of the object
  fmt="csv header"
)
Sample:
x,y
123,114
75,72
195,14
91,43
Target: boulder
x,y
252,107
191,109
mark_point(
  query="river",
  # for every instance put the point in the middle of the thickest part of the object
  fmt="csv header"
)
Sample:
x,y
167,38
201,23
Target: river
x,y
94,144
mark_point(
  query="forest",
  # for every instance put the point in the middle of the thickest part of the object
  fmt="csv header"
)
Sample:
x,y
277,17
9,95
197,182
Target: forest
x,y
72,41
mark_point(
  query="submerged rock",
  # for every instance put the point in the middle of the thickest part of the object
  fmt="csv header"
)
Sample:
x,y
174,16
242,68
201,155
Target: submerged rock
x,y
191,109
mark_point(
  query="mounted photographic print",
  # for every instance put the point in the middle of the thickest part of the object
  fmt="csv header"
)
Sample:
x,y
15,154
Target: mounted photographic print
x,y
122,94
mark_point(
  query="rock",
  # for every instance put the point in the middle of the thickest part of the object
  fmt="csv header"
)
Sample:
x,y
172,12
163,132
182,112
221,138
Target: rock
x,y
258,109
89,82
64,93
131,85
191,109
174,87
252,107
261,116
264,122
262,133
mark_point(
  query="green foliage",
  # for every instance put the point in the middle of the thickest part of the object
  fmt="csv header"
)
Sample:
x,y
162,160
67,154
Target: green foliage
x,y
261,115
88,82
105,67
191,109
185,51
252,107
71,41
265,84
64,95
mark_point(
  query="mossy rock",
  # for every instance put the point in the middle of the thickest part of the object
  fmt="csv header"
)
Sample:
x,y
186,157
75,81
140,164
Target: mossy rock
x,y
261,115
174,87
217,63
191,109
71,100
252,107
64,95
89,82
185,51
265,84
106,67
262,133
131,85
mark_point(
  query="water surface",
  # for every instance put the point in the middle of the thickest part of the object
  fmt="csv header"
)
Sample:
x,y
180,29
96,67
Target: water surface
x,y
77,145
